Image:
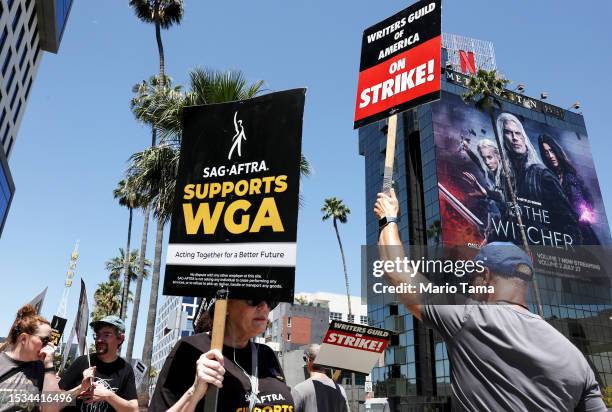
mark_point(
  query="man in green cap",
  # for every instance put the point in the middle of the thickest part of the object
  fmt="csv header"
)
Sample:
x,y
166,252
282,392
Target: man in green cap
x,y
114,386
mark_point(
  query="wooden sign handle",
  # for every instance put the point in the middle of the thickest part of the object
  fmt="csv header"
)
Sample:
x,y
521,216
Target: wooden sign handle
x,y
216,342
390,153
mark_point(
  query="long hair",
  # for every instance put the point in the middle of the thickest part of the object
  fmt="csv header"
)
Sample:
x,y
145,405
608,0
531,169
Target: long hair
x,y
27,321
532,154
564,163
489,144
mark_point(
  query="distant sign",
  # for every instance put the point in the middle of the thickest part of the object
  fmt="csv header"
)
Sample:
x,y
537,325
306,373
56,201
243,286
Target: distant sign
x,y
139,372
234,222
57,329
352,347
400,63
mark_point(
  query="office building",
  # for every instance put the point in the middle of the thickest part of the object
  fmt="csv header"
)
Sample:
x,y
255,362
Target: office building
x,y
27,28
437,210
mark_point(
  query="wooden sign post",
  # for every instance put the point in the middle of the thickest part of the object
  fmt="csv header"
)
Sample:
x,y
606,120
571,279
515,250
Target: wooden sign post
x,y
216,342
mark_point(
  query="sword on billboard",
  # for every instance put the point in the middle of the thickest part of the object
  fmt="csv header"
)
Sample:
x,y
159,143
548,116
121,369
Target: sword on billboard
x,y
460,207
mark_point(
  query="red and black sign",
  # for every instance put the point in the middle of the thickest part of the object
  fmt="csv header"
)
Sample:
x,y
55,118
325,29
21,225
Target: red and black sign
x,y
400,63
352,347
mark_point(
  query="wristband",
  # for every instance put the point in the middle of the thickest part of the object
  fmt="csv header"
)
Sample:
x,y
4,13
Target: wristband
x,y
50,369
386,220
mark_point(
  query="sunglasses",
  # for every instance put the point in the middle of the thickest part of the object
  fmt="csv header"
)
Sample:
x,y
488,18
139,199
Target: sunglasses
x,y
256,302
44,339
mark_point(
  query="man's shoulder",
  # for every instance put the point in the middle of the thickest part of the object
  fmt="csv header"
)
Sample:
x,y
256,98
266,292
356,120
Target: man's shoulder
x,y
305,386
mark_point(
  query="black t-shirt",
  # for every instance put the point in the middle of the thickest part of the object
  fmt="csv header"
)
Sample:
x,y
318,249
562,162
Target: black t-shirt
x,y
117,375
178,375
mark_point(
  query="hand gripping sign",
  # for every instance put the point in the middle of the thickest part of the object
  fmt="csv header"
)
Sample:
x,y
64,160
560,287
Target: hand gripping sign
x,y
352,347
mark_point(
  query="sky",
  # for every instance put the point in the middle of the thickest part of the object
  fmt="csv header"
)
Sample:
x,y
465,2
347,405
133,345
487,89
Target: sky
x,y
78,132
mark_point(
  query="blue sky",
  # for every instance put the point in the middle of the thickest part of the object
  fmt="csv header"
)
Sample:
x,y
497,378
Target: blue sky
x,y
78,132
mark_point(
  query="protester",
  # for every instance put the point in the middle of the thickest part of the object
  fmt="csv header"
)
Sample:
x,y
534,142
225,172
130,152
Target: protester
x,y
248,374
503,357
319,393
114,387
26,362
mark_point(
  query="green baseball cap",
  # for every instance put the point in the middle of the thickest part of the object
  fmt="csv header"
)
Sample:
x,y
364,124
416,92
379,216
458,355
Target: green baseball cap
x,y
112,320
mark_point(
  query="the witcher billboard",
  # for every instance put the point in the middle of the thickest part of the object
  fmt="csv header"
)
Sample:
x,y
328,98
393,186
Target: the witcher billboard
x,y
551,171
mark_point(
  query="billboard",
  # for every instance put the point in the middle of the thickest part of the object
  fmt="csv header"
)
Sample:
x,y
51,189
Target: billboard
x,y
234,222
400,63
553,176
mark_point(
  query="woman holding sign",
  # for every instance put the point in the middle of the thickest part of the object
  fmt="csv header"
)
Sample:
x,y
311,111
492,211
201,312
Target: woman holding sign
x,y
248,375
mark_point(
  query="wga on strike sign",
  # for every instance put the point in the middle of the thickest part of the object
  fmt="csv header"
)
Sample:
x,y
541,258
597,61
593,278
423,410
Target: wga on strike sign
x,y
400,63
352,347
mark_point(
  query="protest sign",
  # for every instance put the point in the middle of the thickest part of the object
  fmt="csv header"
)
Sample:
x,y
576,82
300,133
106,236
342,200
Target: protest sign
x,y
57,329
400,63
352,346
234,221
38,300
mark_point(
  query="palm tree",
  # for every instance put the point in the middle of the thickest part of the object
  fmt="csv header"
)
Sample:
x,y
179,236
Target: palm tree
x,y
107,299
130,198
116,264
334,208
163,14
486,89
154,171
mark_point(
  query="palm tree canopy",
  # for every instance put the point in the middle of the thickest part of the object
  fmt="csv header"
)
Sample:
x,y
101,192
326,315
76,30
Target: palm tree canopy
x,y
127,194
107,299
485,88
116,264
334,208
170,11
163,107
154,172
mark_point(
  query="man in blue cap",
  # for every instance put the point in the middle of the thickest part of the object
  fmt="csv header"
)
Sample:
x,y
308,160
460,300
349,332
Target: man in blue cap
x,y
503,357
114,386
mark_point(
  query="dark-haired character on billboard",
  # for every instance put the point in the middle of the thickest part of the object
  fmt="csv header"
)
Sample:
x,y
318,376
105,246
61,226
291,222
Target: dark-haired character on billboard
x,y
577,194
489,161
535,182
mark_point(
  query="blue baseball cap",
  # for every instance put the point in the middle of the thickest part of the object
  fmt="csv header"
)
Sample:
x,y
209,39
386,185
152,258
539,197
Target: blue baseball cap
x,y
112,320
506,259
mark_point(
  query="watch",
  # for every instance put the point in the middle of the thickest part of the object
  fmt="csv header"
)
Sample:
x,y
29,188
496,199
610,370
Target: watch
x,y
386,220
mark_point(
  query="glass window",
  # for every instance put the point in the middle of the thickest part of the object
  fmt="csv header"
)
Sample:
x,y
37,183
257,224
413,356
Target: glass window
x,y
351,318
14,97
24,53
15,115
10,146
3,39
335,316
288,321
363,320
28,88
7,60
20,39
31,21
10,3
9,83
16,19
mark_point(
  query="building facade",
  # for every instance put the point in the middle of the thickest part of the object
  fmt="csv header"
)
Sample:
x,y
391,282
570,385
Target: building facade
x,y
27,28
174,321
416,372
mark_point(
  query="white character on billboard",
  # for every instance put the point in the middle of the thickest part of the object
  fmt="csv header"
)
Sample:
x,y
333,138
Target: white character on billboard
x,y
237,138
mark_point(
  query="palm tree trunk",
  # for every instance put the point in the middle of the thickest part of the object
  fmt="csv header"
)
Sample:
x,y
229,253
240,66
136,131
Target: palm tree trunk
x,y
160,45
346,280
126,271
136,309
147,350
517,211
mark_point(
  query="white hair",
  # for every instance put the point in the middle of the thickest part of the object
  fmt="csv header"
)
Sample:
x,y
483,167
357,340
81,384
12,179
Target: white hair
x,y
489,144
532,155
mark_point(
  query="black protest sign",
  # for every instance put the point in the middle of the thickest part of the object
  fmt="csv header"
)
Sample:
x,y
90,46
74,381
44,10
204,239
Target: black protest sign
x,y
57,329
352,347
400,63
234,221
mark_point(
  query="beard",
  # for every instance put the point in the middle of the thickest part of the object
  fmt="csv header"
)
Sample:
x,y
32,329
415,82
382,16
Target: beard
x,y
101,348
